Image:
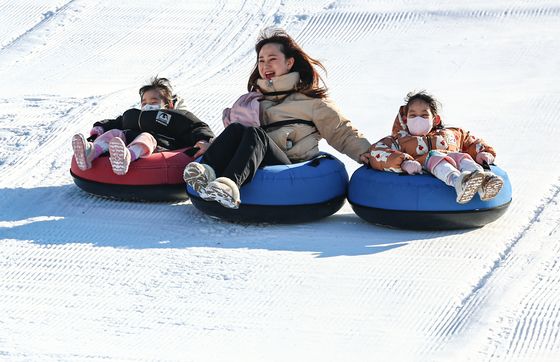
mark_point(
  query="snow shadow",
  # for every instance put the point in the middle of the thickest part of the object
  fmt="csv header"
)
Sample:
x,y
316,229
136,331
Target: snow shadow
x,y
65,215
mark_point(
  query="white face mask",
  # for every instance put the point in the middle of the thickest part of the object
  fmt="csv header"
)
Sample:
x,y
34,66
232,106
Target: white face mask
x,y
419,126
151,107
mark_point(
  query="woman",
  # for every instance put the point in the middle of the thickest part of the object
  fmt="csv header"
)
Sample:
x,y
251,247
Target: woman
x,y
293,112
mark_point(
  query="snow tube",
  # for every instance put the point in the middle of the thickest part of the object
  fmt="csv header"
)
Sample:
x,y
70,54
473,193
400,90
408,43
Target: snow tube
x,y
294,193
158,177
420,202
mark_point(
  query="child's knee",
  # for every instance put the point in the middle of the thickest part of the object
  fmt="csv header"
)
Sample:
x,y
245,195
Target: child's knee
x,y
112,133
146,142
435,158
459,156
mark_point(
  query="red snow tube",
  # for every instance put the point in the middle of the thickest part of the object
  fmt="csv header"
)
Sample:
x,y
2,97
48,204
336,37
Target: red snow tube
x,y
158,177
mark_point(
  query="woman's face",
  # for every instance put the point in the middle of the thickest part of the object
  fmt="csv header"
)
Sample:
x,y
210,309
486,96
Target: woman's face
x,y
272,62
152,97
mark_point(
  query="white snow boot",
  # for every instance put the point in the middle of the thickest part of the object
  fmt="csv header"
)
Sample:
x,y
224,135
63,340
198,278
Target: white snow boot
x,y
467,185
490,187
83,151
119,156
224,191
198,175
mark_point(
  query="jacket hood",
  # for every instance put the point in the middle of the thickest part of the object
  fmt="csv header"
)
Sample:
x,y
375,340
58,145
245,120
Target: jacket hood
x,y
399,126
179,103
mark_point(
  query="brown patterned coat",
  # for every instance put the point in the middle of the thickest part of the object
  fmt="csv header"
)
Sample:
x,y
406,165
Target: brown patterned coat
x,y
390,152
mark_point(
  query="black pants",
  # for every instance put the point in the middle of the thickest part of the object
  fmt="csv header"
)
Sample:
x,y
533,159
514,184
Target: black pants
x,y
239,150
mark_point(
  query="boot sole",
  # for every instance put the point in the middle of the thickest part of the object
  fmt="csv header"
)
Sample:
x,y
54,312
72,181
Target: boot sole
x,y
491,188
79,147
470,188
211,193
117,151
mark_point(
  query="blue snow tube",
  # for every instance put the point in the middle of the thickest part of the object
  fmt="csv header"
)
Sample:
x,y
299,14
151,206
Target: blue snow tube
x,y
421,202
300,192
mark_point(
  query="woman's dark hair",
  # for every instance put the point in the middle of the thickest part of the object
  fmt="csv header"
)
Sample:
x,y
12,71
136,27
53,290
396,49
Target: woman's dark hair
x,y
303,63
163,86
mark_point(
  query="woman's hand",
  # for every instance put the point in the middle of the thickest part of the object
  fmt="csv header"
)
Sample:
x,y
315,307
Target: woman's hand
x,y
202,147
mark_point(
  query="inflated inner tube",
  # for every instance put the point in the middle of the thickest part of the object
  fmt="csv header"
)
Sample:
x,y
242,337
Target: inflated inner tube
x,y
421,202
294,193
158,177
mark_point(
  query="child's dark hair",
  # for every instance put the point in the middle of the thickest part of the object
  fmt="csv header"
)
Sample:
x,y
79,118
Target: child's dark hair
x,y
433,103
303,63
163,86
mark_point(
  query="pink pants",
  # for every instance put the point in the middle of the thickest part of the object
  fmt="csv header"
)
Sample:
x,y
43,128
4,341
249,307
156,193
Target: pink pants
x,y
143,145
459,160
448,166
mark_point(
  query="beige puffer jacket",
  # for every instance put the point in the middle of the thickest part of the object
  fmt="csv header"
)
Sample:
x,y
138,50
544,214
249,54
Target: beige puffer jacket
x,y
300,140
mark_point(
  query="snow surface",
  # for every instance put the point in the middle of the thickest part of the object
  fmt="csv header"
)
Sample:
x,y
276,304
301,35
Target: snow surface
x,y
83,278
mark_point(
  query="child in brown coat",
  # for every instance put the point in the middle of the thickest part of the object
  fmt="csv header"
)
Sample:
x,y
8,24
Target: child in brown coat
x,y
419,141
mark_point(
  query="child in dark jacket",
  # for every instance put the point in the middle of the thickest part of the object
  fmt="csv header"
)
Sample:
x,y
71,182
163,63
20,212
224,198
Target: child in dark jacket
x,y
419,141
163,121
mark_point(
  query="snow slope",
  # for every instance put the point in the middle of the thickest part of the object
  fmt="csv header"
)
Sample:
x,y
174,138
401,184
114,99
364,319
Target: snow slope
x,y
83,278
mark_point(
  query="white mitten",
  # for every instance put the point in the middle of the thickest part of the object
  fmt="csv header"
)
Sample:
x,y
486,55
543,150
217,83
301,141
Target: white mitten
x,y
411,167
484,157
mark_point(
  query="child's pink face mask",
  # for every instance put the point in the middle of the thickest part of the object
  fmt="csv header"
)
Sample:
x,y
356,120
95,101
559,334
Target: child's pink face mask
x,y
419,126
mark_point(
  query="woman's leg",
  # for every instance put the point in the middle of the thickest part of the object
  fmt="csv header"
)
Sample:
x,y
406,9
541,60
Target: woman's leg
x,y
215,159
222,149
255,149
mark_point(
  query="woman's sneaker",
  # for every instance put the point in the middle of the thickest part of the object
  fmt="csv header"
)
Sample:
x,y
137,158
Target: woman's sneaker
x,y
119,156
224,191
198,175
83,151
490,187
467,185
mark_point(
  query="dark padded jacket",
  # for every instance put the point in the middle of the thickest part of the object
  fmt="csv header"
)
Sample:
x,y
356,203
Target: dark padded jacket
x,y
172,128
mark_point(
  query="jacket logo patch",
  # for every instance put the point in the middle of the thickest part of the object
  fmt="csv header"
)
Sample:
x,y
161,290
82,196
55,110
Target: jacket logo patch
x,y
451,139
163,118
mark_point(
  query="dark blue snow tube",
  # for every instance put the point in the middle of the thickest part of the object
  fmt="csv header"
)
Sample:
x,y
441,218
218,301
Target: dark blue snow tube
x,y
420,202
295,193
